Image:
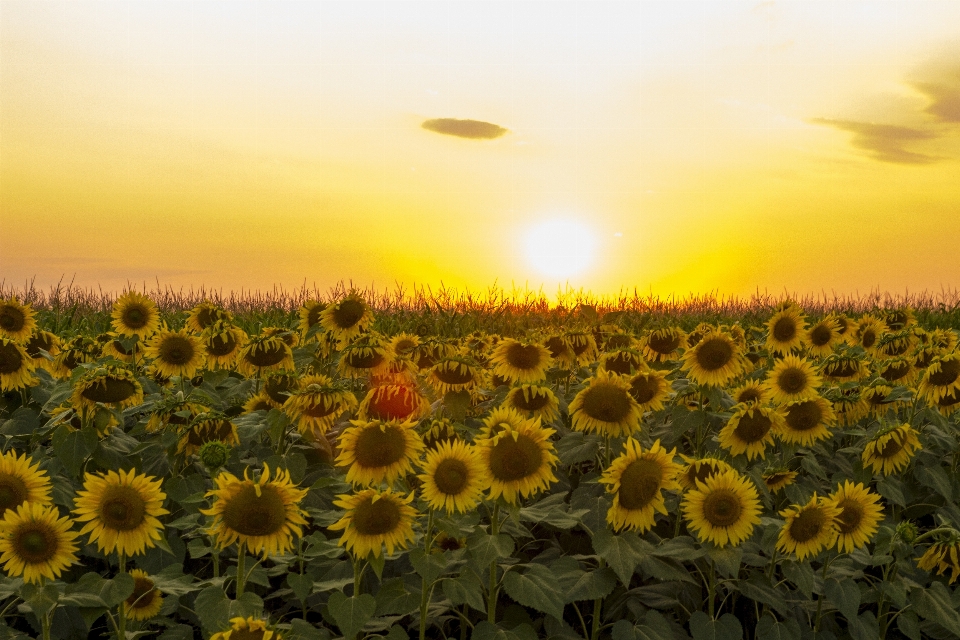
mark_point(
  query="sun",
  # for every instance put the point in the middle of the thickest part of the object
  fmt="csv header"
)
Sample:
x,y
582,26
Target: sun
x,y
560,248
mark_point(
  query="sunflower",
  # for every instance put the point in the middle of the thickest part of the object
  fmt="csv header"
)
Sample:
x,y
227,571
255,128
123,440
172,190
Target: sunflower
x,y
135,314
583,345
868,332
534,400
120,511
751,391
207,427
523,362
317,404
902,318
618,339
606,406
261,515
454,373
17,321
636,479
860,515
822,336
113,386
310,316
715,360
438,431
940,556
785,330
699,470
624,361
453,477
40,341
16,366
397,402
891,450
899,371
945,339
289,336
650,388
722,509
404,343
248,628
776,479
279,384
113,347
259,401
844,327
374,519
809,529
663,344
896,343
367,355
222,343
873,401
21,481
347,319
35,543
520,460
146,601
377,451
843,367
807,421
264,353
940,378
924,355
792,378
205,315
560,351
498,419
750,429
949,403
430,351
176,353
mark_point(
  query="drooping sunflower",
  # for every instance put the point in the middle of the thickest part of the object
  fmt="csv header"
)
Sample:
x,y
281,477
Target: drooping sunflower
x,y
891,450
176,353
520,362
901,318
377,451
375,519
16,366
874,400
616,339
347,318
260,515
778,478
35,543
367,355
173,410
21,480
264,353
700,469
868,331
583,344
636,480
750,429
941,378
822,336
943,338
279,384
723,509
807,421
404,343
650,388
396,402
845,327
560,351
289,336
664,344
207,427
715,360
860,515
453,477
146,600
844,367
606,406
624,361
113,386
17,321
205,315
949,403
785,330
943,555
222,343
809,529
895,343
430,351
317,404
792,378
43,341
438,431
751,391
454,373
498,419
114,347
519,459
134,314
534,400
899,371
121,511
259,401
309,315
248,628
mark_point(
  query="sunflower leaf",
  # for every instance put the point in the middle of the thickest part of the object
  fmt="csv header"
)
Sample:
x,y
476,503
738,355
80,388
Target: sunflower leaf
x,y
213,609
483,548
465,590
351,613
845,596
934,604
115,591
623,552
936,478
489,631
770,628
301,585
727,627
24,421
536,588
73,447
592,585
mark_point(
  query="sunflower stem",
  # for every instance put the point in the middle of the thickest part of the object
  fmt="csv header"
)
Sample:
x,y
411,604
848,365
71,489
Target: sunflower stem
x,y
45,625
823,579
597,608
241,561
357,575
121,610
425,590
216,562
712,588
492,591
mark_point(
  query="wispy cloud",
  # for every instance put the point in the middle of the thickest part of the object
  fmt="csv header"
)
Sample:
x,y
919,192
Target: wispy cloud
x,y
472,129
885,142
944,97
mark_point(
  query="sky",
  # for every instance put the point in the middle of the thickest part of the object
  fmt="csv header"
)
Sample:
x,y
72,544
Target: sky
x,y
670,147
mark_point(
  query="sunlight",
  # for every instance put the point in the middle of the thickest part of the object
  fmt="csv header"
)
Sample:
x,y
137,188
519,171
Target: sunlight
x,y
560,248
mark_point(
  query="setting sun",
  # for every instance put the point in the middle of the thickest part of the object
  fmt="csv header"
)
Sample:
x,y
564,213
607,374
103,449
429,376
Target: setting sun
x,y
560,248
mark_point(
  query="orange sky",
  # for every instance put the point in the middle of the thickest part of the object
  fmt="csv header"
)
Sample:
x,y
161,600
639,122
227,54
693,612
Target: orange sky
x,y
672,146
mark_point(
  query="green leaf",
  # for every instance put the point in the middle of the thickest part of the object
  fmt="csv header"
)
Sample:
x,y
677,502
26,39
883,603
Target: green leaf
x,y
588,312
845,596
40,599
592,585
936,478
249,604
891,489
909,625
757,587
302,630
704,628
727,559
865,627
397,633
302,585
934,604
488,631
654,627
393,598
465,590
73,447
535,588
623,552
682,548
22,422
801,575
552,510
115,591
428,566
351,613
483,548
770,628
576,447
213,608
665,569
457,403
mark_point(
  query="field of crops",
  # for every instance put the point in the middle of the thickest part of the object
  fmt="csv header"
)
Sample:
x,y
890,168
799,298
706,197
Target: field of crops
x,y
356,466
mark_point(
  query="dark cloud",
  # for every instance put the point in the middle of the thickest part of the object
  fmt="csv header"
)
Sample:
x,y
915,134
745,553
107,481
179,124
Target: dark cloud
x,y
472,129
885,142
944,98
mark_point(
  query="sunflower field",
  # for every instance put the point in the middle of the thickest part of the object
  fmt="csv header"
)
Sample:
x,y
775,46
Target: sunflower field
x,y
335,472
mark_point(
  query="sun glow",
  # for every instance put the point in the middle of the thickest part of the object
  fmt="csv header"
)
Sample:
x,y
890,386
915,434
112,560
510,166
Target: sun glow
x,y
560,248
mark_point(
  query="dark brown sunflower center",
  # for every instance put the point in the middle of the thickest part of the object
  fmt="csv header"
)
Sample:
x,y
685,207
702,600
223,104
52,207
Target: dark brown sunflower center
x,y
221,344
606,402
10,358
949,398
376,518
949,371
319,408
142,596
348,313
843,369
515,459
556,346
663,343
451,476
701,470
524,357
820,335
896,319
313,316
109,389
851,516
35,542
13,492
40,340
122,508
392,403
453,373
277,387
209,430
622,362
804,416
722,507
135,316
404,345
533,400
808,524
207,316
618,341
774,479
175,350
11,318
877,397
714,354
750,394
869,338
376,447
579,343
896,371
784,330
252,515
890,448
449,544
792,380
267,353
644,388
640,483
246,634
752,427
364,359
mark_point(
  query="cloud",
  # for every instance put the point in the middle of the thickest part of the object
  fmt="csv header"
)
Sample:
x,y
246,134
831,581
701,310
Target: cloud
x,y
944,97
884,141
472,129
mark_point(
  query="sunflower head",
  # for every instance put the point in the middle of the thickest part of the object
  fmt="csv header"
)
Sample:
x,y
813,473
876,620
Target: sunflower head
x,y
222,343
715,360
347,318
318,403
650,388
454,373
439,431
17,321
809,529
21,480
248,628
519,460
860,515
16,366
891,450
750,429
214,454
792,378
751,391
42,341
205,314
453,477
807,421
377,451
146,601
868,331
699,470
534,400
35,543
606,406
309,315
785,330
134,314
397,402
207,427
369,354
374,519
114,386
723,509
524,362
822,336
943,556
664,344
279,384
624,361
264,353
636,480
176,353
583,344
776,478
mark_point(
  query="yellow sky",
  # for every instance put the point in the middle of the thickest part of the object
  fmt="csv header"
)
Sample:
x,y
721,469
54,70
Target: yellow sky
x,y
804,146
